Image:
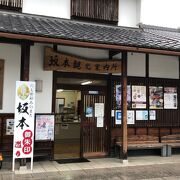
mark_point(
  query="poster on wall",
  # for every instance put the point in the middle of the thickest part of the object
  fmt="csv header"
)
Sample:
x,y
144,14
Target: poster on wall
x,y
170,98
130,117
100,121
152,115
139,97
142,115
99,109
24,121
155,97
118,117
119,96
9,126
44,127
89,111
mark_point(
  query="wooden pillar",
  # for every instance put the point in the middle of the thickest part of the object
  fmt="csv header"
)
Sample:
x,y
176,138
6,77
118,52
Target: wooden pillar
x,y
24,72
25,59
179,67
147,65
124,107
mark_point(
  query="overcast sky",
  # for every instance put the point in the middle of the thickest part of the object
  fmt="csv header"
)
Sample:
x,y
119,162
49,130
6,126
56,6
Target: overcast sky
x,y
161,13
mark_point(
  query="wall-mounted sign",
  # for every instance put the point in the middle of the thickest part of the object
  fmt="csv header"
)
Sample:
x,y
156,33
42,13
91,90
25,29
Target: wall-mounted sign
x,y
24,121
55,61
142,115
99,109
1,81
118,117
9,126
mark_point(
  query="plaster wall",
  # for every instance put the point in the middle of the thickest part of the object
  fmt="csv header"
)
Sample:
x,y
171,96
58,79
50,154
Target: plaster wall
x,y
129,12
54,8
162,66
44,98
12,56
136,64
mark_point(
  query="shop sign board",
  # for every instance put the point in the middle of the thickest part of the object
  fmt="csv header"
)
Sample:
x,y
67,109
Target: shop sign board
x,y
56,61
24,121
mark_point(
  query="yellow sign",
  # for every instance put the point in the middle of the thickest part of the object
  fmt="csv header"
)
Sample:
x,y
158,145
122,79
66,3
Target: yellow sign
x,y
55,61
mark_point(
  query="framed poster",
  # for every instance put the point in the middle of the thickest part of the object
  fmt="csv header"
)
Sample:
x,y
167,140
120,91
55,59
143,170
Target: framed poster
x,y
152,115
170,98
130,117
142,115
119,96
118,117
44,127
155,97
9,126
139,97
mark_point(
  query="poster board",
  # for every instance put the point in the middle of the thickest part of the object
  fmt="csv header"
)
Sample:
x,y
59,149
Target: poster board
x,y
155,97
44,127
138,97
99,109
152,115
130,117
170,98
118,117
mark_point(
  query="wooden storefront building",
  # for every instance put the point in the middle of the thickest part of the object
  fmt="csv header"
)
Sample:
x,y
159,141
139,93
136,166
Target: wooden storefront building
x,y
57,43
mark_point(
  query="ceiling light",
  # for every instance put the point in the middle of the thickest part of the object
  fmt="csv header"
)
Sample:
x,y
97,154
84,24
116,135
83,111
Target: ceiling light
x,y
60,90
86,82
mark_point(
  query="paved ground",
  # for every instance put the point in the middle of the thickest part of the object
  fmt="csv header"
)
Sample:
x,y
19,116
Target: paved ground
x,y
153,168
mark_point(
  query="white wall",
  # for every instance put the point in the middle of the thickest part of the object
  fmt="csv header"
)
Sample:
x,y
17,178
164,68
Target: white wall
x,y
129,13
12,56
136,64
56,8
44,98
163,66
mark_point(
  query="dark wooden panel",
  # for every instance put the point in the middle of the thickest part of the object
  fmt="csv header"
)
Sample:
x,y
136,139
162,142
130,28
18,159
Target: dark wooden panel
x,y
96,10
141,131
94,139
1,81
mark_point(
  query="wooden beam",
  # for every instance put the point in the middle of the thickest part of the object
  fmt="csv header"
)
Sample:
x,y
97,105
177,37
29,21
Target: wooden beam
x,y
87,44
179,67
25,61
124,107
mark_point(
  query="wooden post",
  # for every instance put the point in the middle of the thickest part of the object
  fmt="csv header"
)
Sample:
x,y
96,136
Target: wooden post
x,y
124,107
24,73
25,59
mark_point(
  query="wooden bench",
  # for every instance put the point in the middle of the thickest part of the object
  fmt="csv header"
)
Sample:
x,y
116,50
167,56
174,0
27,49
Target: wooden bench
x,y
171,141
141,142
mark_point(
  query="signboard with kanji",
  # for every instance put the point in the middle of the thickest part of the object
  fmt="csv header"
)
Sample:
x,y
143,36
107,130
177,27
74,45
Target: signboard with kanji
x,y
24,120
56,61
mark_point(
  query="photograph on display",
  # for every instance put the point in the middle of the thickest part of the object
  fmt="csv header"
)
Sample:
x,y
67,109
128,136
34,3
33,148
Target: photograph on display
x,y
152,115
89,111
170,98
142,115
9,126
130,117
139,97
155,97
118,117
119,96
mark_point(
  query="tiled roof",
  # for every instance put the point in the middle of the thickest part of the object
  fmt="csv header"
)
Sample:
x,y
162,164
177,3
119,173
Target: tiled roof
x,y
144,37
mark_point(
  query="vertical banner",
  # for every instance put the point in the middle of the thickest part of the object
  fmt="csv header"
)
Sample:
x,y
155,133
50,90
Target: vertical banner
x,y
24,121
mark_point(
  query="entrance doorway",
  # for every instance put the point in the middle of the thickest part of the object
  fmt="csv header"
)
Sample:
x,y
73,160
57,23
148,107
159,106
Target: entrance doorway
x,y
81,123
